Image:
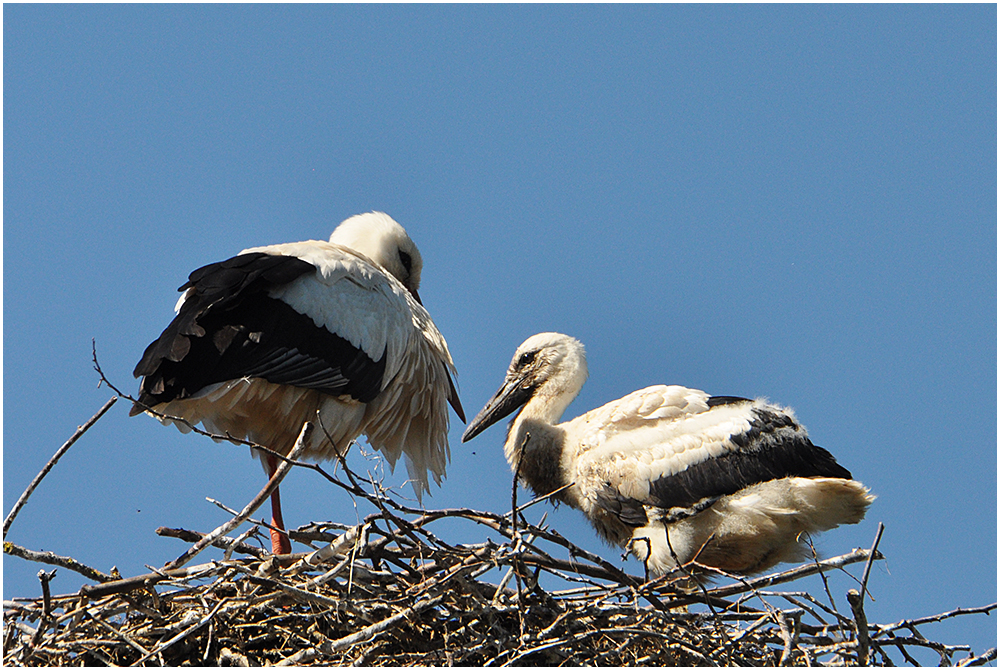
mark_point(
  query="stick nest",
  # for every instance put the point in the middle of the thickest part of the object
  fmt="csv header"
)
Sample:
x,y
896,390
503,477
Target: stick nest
x,y
389,592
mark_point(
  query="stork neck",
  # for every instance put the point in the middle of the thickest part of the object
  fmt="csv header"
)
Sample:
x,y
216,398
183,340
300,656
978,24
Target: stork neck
x,y
534,451
551,399
533,434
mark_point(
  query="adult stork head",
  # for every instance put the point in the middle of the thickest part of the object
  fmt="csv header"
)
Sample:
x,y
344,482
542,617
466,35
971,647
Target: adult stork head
x,y
377,236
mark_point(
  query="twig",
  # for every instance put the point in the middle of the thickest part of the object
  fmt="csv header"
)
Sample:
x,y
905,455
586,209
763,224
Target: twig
x,y
789,624
868,565
915,641
331,647
822,576
272,484
52,461
221,542
984,658
959,611
534,501
855,556
179,419
857,603
119,586
297,594
701,587
114,631
54,559
44,578
183,634
517,477
238,543
516,536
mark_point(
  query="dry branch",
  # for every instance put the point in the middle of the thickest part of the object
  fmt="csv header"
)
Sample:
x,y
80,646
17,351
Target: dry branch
x,y
221,542
52,462
50,558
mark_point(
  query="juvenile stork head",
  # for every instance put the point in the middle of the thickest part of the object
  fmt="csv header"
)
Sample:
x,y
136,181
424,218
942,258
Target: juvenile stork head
x,y
546,374
384,241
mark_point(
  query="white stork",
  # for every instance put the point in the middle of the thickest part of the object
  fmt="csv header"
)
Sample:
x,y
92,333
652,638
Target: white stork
x,y
331,332
671,473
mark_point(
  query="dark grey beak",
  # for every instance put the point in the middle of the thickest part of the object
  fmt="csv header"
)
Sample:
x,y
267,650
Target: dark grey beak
x,y
512,395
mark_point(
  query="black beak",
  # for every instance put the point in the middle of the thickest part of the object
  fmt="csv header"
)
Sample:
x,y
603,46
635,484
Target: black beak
x,y
512,395
453,399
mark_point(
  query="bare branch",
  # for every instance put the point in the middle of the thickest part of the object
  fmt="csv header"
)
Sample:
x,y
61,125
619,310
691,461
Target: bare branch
x,y
220,542
857,603
987,657
855,556
959,611
52,461
868,564
53,559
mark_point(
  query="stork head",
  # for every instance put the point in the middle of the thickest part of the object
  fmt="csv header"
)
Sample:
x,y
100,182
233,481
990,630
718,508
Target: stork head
x,y
384,241
548,369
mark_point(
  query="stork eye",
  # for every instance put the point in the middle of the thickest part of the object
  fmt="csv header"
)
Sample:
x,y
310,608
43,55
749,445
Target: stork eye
x,y
526,358
407,262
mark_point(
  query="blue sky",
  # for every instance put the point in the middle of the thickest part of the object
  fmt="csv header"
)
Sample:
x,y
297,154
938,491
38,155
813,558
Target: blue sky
x,y
796,202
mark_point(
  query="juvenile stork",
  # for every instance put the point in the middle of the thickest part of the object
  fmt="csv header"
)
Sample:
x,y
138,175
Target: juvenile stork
x,y
330,332
670,473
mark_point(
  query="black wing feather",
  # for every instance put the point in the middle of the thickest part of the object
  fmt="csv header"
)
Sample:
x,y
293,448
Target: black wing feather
x,y
230,328
774,447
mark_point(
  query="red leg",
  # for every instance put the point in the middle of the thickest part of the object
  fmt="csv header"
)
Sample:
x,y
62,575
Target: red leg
x,y
280,544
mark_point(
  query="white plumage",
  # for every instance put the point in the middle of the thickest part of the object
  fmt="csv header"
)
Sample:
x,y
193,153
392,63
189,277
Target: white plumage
x,y
331,332
670,472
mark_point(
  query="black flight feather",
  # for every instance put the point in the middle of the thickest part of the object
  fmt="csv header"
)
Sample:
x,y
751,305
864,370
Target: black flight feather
x,y
773,447
229,328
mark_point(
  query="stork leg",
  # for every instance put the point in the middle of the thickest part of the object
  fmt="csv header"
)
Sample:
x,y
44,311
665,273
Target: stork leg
x,y
280,544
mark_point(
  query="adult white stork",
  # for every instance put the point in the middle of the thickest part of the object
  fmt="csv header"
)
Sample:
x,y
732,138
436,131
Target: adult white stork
x,y
331,332
669,472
